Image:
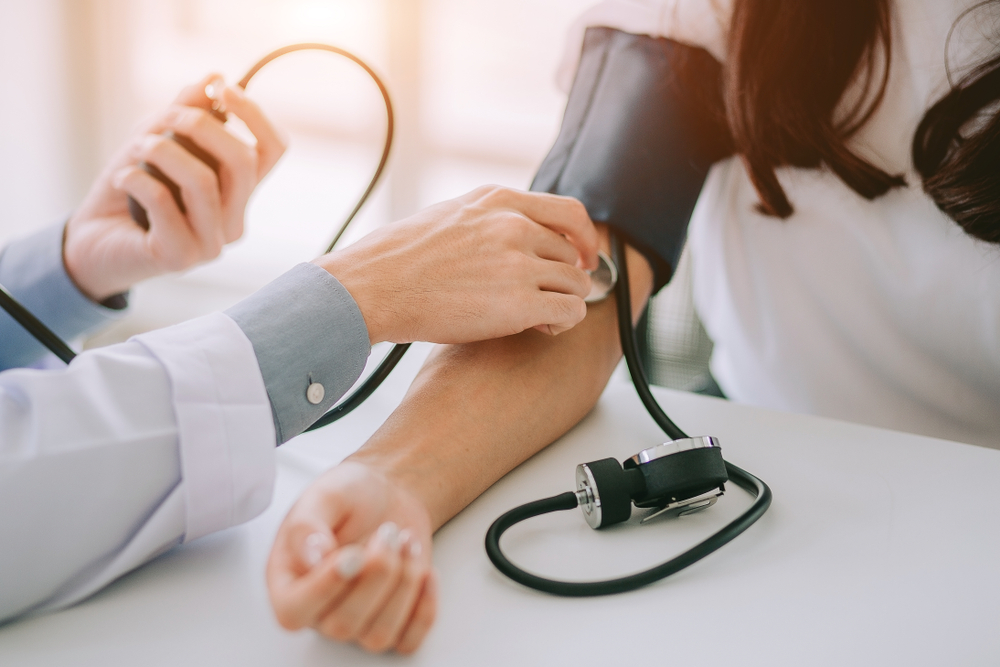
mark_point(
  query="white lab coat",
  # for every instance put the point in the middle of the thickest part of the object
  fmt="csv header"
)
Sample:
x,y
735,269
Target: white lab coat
x,y
132,449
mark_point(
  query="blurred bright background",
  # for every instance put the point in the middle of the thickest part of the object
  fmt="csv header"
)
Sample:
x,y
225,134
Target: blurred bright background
x,y
472,82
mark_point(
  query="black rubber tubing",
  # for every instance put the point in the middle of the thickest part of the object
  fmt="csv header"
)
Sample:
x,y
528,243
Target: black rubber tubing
x,y
568,500
35,327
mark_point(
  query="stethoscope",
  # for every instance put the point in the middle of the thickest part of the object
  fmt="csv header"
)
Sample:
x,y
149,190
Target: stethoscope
x,y
676,478
679,477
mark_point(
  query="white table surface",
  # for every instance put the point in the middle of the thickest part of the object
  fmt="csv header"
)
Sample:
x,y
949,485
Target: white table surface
x,y
880,548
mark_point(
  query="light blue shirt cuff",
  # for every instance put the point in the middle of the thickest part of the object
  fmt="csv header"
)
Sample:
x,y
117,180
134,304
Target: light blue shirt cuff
x,y
311,343
32,270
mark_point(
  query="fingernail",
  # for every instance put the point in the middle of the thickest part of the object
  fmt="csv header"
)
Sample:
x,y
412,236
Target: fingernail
x,y
352,558
213,89
388,537
408,544
315,547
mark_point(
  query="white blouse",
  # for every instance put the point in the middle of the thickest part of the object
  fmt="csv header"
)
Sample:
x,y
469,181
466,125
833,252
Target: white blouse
x,y
882,312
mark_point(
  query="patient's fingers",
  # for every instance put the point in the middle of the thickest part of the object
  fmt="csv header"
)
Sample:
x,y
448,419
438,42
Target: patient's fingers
x,y
347,616
301,601
422,619
384,631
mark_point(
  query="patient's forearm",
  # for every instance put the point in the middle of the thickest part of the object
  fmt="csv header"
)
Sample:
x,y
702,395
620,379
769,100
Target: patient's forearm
x,y
476,411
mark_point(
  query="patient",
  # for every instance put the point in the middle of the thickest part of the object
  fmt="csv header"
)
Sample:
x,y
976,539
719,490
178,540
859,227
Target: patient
x,y
830,281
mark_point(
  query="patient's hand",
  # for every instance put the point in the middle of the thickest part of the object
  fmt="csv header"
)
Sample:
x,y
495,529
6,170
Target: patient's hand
x,y
352,560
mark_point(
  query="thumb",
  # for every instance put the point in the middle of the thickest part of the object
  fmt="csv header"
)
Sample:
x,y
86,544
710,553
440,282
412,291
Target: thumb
x,y
314,547
194,95
307,545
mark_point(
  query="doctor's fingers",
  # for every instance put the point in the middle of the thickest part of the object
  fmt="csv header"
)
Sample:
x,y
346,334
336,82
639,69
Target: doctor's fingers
x,y
199,188
238,161
271,142
554,313
555,276
563,215
171,241
194,94
542,242
190,96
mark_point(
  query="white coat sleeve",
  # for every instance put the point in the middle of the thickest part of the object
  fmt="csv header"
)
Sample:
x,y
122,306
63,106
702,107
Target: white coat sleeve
x,y
132,449
137,447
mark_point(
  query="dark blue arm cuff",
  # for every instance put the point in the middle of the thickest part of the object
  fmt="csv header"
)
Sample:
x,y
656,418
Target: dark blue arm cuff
x,y
643,125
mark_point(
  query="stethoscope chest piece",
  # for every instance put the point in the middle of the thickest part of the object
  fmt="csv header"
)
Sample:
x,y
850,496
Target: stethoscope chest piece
x,y
602,279
678,477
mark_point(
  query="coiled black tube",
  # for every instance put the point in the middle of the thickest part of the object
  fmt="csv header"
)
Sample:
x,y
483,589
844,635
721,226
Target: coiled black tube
x,y
566,501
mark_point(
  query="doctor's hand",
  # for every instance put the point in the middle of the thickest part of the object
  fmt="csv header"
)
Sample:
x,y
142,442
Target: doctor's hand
x,y
106,252
486,265
352,560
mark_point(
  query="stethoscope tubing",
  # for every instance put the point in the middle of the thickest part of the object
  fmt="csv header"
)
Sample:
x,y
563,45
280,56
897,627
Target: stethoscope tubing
x,y
35,326
389,362
44,335
567,501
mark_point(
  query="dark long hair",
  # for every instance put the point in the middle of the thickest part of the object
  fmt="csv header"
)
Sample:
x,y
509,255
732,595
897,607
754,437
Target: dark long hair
x,y
790,63
961,170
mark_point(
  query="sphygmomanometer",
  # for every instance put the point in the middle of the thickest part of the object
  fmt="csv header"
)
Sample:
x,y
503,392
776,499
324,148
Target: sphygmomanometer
x,y
636,144
635,147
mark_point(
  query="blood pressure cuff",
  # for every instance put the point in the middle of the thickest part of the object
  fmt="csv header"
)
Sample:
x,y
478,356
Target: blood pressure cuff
x,y
643,125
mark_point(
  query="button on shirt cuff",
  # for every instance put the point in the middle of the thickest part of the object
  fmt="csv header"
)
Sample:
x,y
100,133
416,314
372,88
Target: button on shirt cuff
x,y
311,344
32,270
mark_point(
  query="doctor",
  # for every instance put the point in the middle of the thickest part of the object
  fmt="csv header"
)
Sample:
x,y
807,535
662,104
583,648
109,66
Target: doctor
x,y
137,447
